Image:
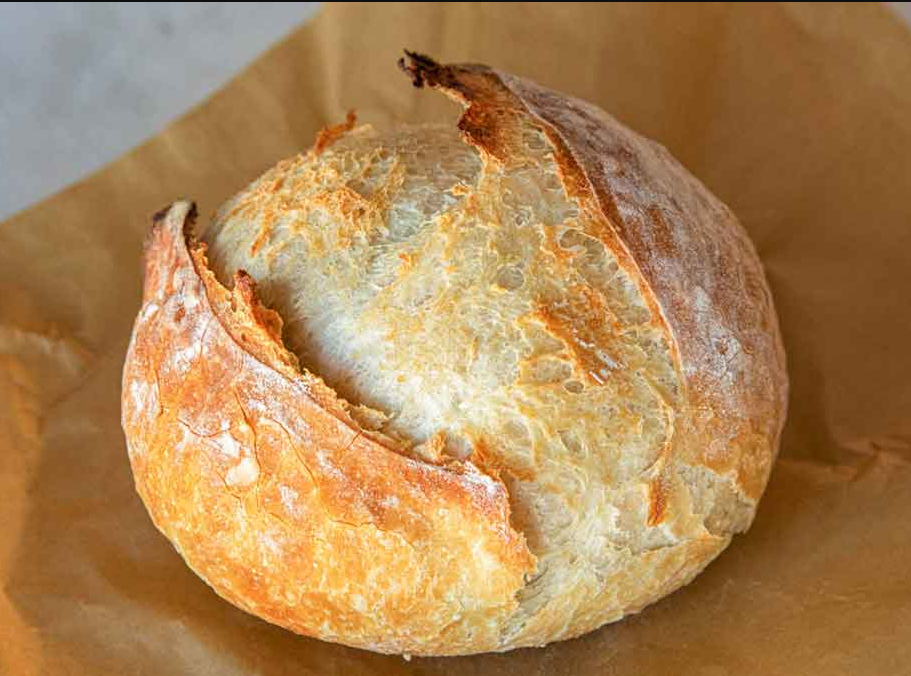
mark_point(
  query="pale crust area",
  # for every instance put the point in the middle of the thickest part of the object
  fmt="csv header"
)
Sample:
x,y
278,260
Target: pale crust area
x,y
533,379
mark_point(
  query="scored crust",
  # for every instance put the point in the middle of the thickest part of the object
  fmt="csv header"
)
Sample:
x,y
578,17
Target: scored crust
x,y
274,495
696,264
292,505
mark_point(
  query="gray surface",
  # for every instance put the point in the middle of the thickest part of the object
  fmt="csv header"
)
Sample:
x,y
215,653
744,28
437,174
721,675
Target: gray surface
x,y
903,8
81,84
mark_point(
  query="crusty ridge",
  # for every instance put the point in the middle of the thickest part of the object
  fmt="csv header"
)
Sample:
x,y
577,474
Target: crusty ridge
x,y
695,262
480,318
510,304
278,500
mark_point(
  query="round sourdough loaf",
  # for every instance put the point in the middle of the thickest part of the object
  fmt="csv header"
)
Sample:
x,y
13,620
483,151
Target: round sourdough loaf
x,y
444,391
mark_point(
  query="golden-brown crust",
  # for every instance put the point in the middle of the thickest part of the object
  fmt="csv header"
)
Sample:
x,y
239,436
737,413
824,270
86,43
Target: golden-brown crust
x,y
694,263
329,135
256,471
293,505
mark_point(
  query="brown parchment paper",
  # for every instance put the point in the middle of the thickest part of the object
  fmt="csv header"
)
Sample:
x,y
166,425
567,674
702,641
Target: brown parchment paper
x,y
797,116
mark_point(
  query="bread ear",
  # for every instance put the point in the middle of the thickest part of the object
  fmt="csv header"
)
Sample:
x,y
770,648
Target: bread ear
x,y
278,499
692,261
567,308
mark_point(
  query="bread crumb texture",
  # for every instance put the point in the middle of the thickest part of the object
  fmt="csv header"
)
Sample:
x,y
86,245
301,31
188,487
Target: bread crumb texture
x,y
493,386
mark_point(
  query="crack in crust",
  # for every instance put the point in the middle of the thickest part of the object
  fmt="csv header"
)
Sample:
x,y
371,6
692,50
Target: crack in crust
x,y
222,370
693,262
275,493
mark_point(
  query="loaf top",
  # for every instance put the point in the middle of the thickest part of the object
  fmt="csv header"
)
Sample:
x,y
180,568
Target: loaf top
x,y
473,388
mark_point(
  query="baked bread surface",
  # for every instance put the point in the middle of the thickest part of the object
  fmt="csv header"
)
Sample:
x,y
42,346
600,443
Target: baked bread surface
x,y
492,386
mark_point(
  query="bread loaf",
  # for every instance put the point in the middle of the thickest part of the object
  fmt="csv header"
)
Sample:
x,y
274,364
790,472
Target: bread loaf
x,y
444,391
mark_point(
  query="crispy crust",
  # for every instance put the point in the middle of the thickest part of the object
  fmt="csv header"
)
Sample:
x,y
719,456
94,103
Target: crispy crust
x,y
262,480
694,263
265,481
329,135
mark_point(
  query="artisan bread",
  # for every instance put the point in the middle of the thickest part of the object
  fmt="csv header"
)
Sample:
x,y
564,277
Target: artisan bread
x,y
443,391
